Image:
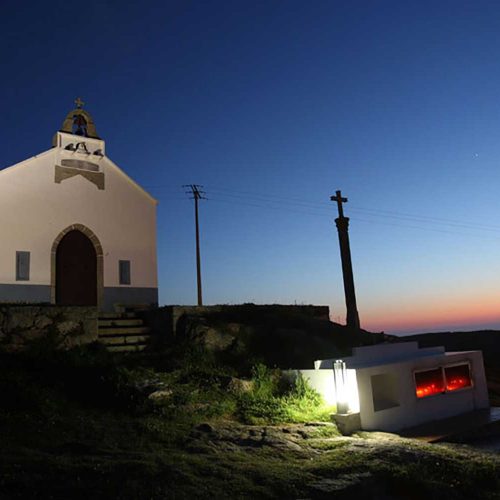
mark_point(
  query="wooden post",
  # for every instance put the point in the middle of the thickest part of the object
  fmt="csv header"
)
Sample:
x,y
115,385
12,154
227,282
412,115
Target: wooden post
x,y
198,258
197,195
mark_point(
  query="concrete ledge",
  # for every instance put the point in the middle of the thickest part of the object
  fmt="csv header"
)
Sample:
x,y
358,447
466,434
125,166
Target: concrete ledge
x,y
24,293
128,295
460,428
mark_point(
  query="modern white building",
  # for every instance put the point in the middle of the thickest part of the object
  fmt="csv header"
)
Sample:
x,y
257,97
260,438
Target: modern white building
x,y
397,386
75,229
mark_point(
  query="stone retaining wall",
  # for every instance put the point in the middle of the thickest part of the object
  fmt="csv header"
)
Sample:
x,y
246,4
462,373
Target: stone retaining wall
x,y
64,326
166,320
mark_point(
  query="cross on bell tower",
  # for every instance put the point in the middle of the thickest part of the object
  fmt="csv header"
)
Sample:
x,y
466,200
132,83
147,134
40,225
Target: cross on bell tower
x,y
342,223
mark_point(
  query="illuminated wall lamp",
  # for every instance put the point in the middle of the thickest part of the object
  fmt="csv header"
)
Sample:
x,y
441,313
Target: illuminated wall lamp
x,y
346,388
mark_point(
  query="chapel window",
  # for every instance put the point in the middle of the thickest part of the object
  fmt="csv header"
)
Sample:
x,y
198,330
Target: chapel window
x,y
124,272
22,266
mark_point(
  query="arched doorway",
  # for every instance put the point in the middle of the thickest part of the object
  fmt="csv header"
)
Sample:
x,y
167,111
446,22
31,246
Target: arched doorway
x,y
76,270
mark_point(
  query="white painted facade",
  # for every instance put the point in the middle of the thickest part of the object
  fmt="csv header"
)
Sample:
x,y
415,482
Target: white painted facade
x,y
38,203
385,384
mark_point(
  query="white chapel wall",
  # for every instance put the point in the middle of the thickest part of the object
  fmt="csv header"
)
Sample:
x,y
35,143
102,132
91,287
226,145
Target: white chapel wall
x,y
35,209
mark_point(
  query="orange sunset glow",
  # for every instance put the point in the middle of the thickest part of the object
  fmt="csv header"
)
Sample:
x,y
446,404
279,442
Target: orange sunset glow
x,y
426,314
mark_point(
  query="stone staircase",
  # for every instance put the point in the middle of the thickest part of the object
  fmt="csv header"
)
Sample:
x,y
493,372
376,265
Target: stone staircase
x,y
123,331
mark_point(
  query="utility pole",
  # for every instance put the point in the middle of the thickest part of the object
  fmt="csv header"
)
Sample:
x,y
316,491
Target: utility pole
x,y
197,194
342,223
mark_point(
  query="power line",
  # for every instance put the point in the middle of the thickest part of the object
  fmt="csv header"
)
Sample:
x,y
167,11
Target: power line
x,y
323,209
268,207
435,230
358,219
326,206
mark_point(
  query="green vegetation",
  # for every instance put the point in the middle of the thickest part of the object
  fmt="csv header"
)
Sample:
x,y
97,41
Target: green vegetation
x,y
87,424
84,420
273,401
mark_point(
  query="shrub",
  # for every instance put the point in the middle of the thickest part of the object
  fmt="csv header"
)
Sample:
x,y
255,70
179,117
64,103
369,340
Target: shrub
x,y
270,401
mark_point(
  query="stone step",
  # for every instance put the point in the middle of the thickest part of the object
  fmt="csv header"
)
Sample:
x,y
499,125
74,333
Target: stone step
x,y
125,340
130,330
119,322
116,315
126,348
131,308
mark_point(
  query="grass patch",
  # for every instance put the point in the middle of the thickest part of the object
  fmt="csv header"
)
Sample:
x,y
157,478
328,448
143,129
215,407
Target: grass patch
x,y
328,444
272,400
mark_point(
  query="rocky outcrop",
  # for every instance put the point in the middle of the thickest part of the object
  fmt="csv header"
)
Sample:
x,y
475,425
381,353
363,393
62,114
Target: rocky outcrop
x,y
273,341
212,339
229,436
374,465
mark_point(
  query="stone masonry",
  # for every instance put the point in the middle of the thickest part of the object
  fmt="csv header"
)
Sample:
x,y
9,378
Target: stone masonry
x,y
65,326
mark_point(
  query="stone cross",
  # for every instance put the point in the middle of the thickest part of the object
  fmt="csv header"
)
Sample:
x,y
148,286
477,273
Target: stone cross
x,y
79,103
342,223
338,198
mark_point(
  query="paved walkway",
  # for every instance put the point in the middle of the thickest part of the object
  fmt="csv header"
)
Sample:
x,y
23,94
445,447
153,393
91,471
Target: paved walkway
x,y
476,424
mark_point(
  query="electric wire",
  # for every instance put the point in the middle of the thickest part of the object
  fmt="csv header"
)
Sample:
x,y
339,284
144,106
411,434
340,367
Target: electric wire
x,y
324,209
386,213
357,219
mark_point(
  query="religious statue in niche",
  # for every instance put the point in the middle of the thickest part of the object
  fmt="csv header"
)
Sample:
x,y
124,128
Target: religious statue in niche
x,y
79,125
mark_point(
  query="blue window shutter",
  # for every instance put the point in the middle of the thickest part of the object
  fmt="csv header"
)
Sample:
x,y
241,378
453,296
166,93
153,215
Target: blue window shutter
x,y
22,266
124,272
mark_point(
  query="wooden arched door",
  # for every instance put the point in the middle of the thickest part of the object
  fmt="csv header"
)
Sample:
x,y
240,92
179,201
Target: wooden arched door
x,y
76,270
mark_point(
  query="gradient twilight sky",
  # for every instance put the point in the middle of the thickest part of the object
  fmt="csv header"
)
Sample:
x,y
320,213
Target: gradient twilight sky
x,y
272,106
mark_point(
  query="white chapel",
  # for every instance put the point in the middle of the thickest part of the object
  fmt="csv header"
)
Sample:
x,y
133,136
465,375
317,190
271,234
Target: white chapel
x,y
75,229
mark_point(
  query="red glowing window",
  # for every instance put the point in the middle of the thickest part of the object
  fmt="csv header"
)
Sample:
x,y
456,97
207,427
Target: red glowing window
x,y
429,382
457,377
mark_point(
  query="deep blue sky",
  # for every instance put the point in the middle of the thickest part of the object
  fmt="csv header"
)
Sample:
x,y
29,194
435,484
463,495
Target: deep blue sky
x,y
272,106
